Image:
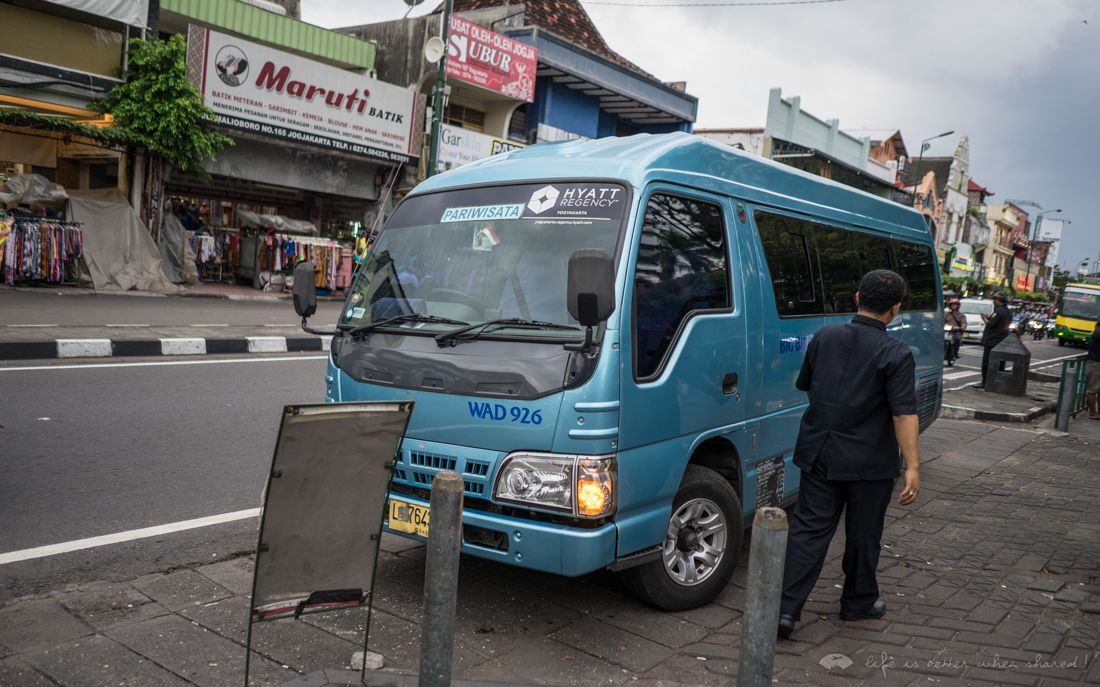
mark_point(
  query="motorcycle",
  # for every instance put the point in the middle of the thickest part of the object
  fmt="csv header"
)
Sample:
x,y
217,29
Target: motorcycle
x,y
949,345
1037,328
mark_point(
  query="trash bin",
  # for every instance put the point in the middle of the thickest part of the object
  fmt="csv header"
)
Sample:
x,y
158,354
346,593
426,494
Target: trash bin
x,y
1009,362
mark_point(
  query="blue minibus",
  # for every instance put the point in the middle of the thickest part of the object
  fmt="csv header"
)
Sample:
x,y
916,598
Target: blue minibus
x,y
602,338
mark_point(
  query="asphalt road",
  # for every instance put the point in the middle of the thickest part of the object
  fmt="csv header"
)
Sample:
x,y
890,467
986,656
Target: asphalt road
x,y
50,307
93,449
105,448
1045,357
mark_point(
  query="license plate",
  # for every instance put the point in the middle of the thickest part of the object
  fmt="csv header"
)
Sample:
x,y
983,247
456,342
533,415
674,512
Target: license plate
x,y
408,517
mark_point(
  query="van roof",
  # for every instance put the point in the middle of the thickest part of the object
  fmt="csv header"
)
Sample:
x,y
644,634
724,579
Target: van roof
x,y
692,160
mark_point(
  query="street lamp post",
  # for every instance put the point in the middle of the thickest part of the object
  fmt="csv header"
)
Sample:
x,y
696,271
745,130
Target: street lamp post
x,y
440,88
924,145
1035,230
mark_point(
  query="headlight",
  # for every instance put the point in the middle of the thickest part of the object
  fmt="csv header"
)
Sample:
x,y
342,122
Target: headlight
x,y
581,485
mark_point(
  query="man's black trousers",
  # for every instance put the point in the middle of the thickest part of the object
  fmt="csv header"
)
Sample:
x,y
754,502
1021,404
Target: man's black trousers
x,y
816,516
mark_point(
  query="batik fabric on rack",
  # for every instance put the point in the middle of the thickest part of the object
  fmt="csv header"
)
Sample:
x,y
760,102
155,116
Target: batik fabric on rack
x,y
280,253
38,249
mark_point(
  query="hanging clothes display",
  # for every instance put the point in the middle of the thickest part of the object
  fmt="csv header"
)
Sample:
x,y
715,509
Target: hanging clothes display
x,y
281,252
38,249
274,253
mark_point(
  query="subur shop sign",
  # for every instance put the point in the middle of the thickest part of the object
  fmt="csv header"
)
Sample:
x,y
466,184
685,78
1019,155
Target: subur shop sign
x,y
490,60
258,89
457,146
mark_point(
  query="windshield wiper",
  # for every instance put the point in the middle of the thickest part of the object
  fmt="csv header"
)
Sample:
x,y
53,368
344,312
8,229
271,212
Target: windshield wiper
x,y
473,331
407,317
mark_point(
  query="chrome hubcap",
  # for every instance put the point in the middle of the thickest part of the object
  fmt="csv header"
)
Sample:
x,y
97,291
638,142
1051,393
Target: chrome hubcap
x,y
695,542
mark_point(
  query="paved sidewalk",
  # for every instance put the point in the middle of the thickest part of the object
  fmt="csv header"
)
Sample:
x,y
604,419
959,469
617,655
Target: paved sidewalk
x,y
991,580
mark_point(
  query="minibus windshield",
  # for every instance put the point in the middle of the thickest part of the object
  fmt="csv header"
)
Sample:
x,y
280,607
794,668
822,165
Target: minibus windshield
x,y
1081,304
463,257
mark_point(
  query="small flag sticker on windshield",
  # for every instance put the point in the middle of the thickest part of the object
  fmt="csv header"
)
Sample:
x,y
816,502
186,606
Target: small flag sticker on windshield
x,y
485,238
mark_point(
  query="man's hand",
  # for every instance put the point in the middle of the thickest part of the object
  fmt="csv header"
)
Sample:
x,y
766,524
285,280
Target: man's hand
x,y
907,430
911,490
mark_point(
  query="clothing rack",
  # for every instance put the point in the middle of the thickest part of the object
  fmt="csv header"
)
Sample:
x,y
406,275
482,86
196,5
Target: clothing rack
x,y
221,252
281,252
36,249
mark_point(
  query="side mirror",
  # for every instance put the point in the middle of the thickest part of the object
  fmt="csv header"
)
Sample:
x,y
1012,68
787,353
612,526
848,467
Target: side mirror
x,y
590,291
591,286
305,293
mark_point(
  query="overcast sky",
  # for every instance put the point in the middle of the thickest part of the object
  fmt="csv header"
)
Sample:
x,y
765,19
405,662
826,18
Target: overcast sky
x,y
1021,78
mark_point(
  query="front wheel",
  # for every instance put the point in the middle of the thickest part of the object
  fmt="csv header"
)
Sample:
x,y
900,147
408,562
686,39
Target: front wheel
x,y
700,549
1061,342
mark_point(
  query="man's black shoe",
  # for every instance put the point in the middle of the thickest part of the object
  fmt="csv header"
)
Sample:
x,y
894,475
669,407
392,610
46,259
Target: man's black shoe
x,y
786,626
877,611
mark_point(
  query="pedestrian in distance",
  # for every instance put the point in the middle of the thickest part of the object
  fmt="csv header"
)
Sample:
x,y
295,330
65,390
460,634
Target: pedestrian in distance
x,y
861,421
996,330
957,321
1092,375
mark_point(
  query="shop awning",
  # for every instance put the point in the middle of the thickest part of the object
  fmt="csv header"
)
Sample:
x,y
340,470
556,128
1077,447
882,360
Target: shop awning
x,y
621,91
281,224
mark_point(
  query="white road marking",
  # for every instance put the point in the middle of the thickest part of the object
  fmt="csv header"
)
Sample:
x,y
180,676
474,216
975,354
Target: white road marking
x,y
208,325
266,344
959,375
183,346
129,535
32,325
83,348
165,363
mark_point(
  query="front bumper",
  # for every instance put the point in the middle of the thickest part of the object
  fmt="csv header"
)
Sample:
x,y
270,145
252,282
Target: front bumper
x,y
558,549
1071,335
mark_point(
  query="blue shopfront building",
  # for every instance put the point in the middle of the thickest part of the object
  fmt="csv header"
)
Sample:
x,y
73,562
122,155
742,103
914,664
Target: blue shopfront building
x,y
583,88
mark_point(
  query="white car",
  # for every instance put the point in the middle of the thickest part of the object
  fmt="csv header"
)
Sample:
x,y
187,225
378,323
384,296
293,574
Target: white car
x,y
974,308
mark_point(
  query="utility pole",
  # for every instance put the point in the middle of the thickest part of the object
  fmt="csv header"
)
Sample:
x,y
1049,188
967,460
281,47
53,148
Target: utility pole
x,y
440,88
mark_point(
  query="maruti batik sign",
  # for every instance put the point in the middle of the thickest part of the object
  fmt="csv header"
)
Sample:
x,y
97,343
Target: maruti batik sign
x,y
258,89
491,60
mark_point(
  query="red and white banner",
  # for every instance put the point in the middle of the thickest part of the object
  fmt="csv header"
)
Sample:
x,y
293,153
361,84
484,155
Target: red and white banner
x,y
491,60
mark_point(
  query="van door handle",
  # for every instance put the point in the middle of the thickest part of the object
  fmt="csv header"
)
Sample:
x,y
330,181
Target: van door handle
x,y
729,385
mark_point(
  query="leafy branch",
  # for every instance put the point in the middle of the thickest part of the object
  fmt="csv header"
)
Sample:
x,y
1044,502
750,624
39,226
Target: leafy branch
x,y
161,109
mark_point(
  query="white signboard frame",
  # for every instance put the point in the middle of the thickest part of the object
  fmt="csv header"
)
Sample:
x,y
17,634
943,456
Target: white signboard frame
x,y
458,146
271,93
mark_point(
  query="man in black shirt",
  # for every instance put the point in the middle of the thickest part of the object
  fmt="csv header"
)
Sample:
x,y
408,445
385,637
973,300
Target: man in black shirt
x,y
996,329
863,407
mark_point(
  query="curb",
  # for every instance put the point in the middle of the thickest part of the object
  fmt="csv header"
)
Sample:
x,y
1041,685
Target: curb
x,y
182,293
108,348
962,413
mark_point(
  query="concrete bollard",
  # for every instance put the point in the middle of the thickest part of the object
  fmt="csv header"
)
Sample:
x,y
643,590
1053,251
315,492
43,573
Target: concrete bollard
x,y
762,594
437,635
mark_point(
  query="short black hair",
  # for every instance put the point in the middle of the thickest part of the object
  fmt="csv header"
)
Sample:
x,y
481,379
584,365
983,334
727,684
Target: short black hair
x,y
880,290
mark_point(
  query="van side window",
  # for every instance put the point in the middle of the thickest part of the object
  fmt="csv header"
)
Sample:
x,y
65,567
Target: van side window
x,y
787,244
682,268
916,264
838,257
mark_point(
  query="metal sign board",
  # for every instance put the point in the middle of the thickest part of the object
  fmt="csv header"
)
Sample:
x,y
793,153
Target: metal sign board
x,y
323,507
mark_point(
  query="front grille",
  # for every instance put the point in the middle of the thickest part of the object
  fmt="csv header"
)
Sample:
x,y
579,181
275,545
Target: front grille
x,y
431,460
928,402
418,468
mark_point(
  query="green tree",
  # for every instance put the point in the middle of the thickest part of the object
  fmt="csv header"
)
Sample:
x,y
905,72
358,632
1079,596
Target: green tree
x,y
1061,277
161,108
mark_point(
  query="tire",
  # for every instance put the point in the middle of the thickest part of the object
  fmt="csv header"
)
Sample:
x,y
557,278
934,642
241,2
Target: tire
x,y
1061,342
703,495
